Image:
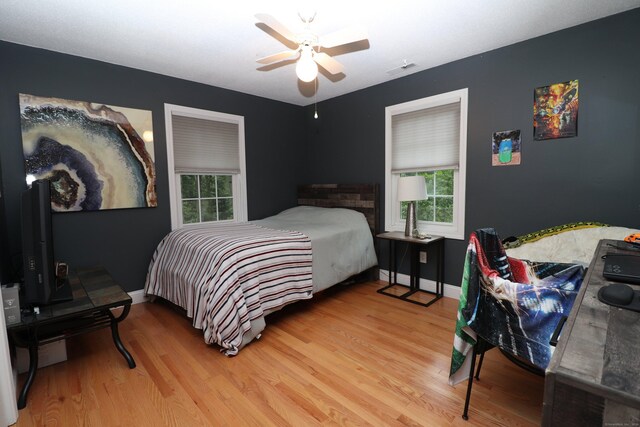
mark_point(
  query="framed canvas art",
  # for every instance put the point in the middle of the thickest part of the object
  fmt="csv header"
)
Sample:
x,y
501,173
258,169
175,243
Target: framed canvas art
x,y
95,156
506,148
555,111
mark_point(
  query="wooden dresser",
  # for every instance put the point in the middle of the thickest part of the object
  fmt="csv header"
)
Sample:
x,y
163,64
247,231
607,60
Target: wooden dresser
x,y
593,378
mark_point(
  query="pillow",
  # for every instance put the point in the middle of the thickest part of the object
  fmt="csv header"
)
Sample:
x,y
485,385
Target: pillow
x,y
514,242
572,245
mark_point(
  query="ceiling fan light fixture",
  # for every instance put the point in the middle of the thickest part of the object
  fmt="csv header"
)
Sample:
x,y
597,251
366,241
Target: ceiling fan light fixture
x,y
306,69
307,13
310,46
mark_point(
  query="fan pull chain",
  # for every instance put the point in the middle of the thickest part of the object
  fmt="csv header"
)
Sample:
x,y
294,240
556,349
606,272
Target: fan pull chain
x,y
315,114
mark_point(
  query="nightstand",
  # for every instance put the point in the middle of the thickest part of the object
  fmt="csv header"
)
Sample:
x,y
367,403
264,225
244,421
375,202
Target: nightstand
x,y
414,276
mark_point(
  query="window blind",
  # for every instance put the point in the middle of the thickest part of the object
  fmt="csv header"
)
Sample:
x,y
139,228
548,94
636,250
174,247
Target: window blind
x,y
427,139
205,146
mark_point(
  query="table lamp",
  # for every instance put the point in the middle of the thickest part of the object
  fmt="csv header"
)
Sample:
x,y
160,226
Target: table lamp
x,y
410,189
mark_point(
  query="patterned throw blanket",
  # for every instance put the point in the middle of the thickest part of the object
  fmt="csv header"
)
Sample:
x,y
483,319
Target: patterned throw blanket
x,y
512,304
228,276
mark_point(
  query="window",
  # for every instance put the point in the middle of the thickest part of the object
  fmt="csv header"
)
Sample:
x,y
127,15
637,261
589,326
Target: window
x,y
205,152
439,206
206,198
428,137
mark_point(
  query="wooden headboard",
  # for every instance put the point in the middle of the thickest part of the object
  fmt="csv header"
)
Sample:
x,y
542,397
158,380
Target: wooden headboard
x,y
360,197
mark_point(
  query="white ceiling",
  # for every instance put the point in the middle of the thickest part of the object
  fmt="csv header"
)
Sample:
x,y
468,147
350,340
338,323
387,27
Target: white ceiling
x,y
217,43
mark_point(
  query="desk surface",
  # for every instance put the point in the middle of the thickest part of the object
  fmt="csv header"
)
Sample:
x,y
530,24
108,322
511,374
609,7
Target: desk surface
x,y
399,235
92,288
597,353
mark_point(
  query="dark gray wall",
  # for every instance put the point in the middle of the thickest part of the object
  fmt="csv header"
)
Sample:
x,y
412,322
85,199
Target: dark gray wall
x,y
124,240
592,177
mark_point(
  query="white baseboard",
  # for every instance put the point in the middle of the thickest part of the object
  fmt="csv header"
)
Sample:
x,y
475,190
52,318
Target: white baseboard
x,y
449,291
138,296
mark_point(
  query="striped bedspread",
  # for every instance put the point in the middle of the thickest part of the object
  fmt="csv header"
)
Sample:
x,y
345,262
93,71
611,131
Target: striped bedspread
x,y
228,276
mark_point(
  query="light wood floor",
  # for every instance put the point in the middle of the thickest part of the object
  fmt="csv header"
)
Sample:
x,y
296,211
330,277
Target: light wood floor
x,y
349,357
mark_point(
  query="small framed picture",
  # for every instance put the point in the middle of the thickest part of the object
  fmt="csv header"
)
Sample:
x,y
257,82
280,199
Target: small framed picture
x,y
506,148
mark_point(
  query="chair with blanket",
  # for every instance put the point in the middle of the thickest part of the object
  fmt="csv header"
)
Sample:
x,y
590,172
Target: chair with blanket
x,y
514,305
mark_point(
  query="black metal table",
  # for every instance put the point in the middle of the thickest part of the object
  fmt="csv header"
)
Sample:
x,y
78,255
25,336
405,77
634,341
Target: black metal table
x,y
414,276
95,293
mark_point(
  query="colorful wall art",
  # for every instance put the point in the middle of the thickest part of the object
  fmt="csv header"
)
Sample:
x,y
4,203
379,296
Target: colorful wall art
x,y
96,156
555,111
505,148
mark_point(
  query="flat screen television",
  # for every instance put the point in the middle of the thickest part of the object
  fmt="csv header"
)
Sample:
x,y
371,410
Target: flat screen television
x,y
40,285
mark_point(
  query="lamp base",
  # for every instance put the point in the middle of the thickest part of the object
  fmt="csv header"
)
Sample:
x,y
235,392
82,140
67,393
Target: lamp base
x,y
411,223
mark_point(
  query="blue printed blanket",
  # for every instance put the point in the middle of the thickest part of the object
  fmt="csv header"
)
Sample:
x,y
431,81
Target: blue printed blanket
x,y
512,304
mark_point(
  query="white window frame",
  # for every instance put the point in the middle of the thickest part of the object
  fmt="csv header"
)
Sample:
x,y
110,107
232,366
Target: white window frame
x,y
239,181
393,220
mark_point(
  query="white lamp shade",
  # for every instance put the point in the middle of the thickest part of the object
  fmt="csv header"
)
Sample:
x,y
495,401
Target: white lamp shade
x,y
306,69
411,188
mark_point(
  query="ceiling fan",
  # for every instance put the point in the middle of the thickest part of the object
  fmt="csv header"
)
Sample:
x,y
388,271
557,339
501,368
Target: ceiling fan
x,y
309,46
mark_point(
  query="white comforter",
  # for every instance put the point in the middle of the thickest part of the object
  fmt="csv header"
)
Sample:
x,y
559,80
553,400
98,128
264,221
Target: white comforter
x,y
341,241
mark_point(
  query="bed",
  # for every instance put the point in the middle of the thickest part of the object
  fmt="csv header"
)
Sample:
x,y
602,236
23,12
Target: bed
x,y
229,277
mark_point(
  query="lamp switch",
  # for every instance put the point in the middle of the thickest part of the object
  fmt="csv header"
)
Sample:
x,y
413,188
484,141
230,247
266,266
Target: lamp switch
x,y
423,257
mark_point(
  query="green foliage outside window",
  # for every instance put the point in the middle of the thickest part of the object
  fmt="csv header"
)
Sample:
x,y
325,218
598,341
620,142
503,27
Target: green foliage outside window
x,y
225,209
190,212
209,210
224,185
206,198
439,206
207,186
189,186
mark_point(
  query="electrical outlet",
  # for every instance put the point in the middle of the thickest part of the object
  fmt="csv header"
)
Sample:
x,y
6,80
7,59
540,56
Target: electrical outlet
x,y
423,257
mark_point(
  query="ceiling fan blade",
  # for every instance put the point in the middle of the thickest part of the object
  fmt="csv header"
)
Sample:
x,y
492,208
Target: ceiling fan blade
x,y
328,63
277,57
344,36
274,24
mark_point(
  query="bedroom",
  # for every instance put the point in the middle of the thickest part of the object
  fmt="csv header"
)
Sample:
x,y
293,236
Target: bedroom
x,y
590,177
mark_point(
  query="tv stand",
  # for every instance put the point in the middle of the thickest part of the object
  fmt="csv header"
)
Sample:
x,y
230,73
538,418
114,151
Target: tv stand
x,y
95,294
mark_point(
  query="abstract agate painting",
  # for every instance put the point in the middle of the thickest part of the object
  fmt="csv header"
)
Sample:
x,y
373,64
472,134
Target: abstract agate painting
x,y
96,156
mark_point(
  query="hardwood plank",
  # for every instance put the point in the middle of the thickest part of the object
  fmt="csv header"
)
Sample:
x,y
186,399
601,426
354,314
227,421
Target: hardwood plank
x,y
350,356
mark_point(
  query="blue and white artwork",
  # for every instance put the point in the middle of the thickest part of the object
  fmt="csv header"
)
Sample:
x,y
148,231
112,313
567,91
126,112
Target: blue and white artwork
x,y
506,148
96,156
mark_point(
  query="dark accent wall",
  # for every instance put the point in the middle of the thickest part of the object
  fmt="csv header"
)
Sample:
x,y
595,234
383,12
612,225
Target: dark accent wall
x,y
124,240
592,177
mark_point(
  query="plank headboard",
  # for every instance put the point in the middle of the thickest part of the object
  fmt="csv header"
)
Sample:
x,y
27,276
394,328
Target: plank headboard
x,y
360,197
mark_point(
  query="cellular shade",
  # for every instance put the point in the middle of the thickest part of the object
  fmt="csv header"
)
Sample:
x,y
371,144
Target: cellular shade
x,y
205,146
426,139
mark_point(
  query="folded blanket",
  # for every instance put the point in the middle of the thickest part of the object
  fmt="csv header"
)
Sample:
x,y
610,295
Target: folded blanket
x,y
512,304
